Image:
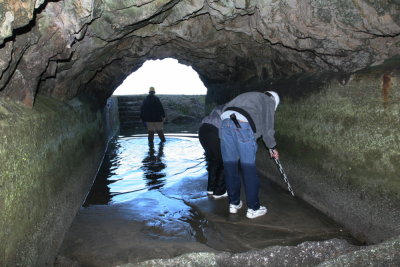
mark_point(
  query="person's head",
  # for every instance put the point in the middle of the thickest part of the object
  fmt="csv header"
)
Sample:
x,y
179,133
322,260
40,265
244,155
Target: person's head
x,y
274,95
152,90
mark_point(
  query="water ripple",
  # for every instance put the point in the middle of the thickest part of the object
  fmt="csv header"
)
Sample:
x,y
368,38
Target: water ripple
x,y
132,166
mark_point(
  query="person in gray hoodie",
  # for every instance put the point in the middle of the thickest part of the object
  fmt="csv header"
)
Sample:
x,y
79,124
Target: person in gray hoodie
x,y
209,140
246,118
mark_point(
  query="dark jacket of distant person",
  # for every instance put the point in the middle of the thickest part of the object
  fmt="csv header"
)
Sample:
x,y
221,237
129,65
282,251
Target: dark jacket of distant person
x,y
152,110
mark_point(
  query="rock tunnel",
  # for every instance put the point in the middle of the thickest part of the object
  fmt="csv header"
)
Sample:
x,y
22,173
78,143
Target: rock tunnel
x,y
336,66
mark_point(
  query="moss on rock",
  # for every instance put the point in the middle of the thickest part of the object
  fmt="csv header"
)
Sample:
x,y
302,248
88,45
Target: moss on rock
x,y
49,157
341,147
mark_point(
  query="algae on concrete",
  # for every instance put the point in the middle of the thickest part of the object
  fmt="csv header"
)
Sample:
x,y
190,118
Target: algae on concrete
x,y
50,155
340,148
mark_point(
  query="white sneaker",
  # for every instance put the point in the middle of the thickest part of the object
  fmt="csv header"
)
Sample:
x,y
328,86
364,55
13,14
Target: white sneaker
x,y
220,196
234,208
210,193
251,214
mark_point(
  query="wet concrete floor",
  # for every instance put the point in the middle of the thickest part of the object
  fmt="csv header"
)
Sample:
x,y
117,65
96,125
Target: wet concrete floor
x,y
150,202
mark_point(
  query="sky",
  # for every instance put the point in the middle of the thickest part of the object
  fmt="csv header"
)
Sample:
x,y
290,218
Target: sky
x,y
167,76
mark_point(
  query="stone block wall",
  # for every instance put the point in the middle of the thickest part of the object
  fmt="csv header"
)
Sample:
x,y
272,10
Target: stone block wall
x,y
49,157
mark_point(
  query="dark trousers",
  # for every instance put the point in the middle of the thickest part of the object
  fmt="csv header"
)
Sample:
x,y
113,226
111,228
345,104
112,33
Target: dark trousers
x,y
209,140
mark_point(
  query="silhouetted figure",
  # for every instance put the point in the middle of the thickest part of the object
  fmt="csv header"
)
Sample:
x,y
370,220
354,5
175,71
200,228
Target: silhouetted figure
x,y
153,166
209,140
153,115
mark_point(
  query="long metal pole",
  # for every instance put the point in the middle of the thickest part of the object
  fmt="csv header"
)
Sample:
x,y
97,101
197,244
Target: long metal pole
x,y
280,168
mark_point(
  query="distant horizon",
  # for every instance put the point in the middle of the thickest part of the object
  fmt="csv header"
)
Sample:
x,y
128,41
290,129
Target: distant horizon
x,y
167,76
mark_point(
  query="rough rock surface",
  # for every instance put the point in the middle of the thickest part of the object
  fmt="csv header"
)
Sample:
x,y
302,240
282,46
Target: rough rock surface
x,y
384,254
330,253
65,48
304,254
183,109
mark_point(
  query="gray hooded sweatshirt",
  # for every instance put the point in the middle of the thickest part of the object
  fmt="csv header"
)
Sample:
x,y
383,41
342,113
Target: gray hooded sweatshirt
x,y
261,109
214,118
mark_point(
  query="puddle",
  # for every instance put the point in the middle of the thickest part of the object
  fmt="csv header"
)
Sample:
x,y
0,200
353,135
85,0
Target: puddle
x,y
131,166
150,202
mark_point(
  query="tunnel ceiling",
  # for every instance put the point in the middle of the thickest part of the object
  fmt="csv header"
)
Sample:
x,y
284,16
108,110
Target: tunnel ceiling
x,y
65,48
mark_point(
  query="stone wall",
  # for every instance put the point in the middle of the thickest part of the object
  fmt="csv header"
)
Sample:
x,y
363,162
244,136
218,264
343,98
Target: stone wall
x,y
340,147
49,157
111,117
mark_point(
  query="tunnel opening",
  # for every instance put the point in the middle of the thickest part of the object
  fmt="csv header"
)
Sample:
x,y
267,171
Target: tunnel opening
x,y
336,67
167,75
179,88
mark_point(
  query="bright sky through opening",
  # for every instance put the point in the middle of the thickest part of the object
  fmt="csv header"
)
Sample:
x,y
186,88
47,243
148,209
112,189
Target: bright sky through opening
x,y
167,76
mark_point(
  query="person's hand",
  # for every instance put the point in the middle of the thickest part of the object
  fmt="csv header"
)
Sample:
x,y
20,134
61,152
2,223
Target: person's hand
x,y
274,153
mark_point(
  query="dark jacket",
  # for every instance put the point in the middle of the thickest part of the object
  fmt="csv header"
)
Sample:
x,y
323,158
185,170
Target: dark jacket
x,y
152,110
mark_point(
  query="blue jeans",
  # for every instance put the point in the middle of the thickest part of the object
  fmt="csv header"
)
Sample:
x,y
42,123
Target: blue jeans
x,y
239,145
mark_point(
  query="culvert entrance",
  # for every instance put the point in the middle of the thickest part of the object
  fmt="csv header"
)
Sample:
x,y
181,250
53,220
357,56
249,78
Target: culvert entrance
x,y
150,202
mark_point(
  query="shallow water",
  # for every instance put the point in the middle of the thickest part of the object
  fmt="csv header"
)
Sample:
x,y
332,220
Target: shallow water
x,y
150,201
131,166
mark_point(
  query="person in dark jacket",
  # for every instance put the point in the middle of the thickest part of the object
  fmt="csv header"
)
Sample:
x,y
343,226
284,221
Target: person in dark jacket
x,y
153,115
209,140
246,118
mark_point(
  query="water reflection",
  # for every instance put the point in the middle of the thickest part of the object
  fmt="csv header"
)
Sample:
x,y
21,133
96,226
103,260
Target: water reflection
x,y
159,195
153,167
100,191
131,166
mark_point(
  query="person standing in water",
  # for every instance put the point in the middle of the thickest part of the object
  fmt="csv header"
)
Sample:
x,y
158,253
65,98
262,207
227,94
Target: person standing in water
x,y
246,118
153,115
209,140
